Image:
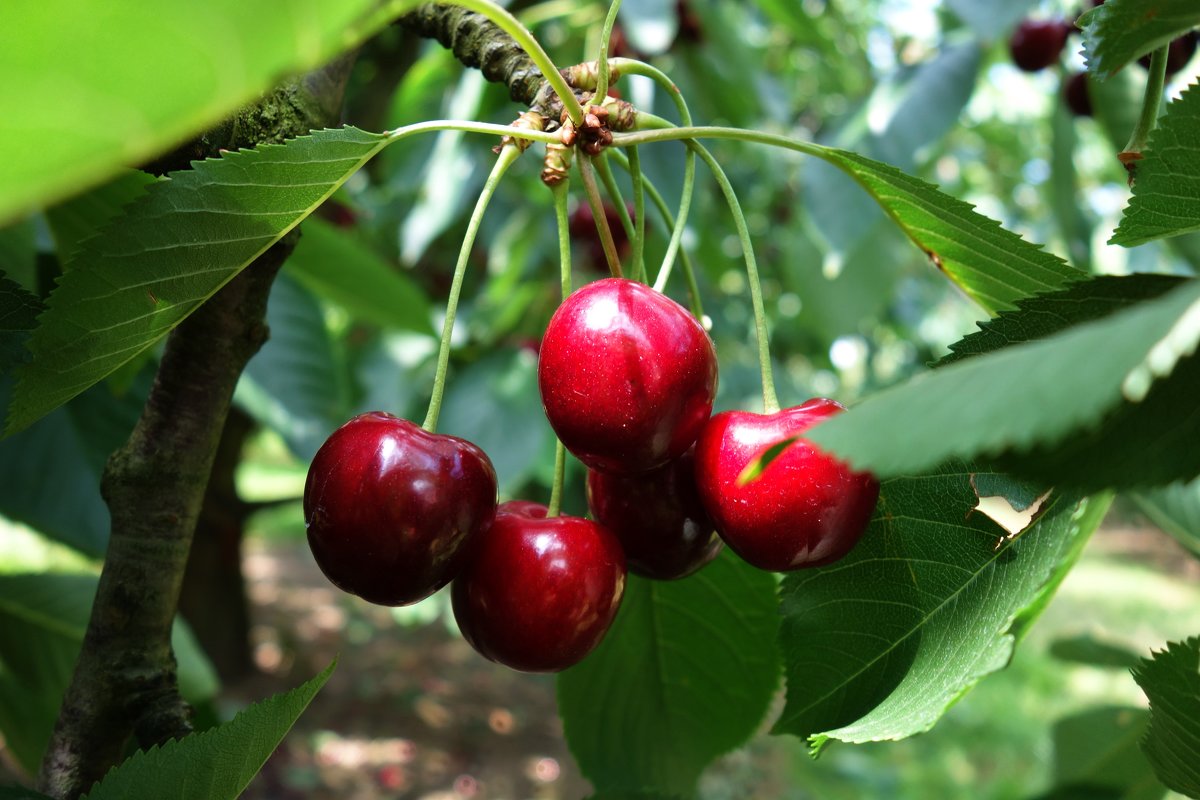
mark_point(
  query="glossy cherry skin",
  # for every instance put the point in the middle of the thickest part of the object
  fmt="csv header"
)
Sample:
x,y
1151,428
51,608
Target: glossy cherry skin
x,y
663,528
1036,44
539,594
805,509
627,376
390,507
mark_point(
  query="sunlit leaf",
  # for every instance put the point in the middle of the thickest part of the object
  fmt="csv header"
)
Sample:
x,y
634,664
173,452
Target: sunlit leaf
x,y
878,645
170,251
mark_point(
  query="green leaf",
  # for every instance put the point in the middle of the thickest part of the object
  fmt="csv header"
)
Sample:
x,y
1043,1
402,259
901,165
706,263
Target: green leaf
x,y
18,316
216,764
1085,649
1040,403
42,622
684,675
1166,194
169,252
83,216
1119,31
92,104
1096,755
17,793
880,644
62,456
1171,679
1175,509
992,265
296,384
340,268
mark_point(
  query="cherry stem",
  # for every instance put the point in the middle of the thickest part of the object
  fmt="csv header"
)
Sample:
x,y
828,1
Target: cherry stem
x,y
639,212
631,66
593,197
508,154
770,401
602,60
559,191
1156,79
471,126
614,193
664,211
526,41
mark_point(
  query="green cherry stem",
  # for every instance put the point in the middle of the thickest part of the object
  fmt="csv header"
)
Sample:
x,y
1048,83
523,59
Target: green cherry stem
x,y
664,211
639,211
602,60
614,193
1155,81
564,258
470,126
629,66
508,154
592,191
770,400
513,27
559,191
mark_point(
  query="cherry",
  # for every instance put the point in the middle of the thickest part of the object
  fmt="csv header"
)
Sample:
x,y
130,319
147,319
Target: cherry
x,y
1076,94
582,227
627,376
1036,44
538,594
806,508
658,518
390,507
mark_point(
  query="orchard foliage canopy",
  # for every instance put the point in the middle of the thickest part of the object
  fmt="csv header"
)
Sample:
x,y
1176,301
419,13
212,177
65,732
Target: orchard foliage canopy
x,y
850,166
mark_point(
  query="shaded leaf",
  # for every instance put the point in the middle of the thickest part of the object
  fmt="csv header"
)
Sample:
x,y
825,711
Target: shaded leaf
x,y
17,793
684,675
1171,679
880,644
117,106
18,316
1040,403
169,252
216,764
295,384
340,268
1119,31
1166,194
495,403
1094,652
43,618
1096,756
1175,509
84,215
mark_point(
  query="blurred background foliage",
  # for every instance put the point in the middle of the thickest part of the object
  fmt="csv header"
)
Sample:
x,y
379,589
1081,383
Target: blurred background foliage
x,y
928,86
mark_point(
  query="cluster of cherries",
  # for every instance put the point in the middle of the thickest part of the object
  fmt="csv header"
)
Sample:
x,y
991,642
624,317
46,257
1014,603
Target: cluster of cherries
x,y
1037,44
627,379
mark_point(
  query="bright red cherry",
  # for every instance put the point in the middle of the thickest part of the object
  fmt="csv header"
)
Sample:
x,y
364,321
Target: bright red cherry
x,y
1036,44
663,528
390,507
805,509
539,594
627,376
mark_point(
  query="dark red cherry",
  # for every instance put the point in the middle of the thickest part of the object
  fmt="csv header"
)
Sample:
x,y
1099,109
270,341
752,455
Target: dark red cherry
x,y
1077,95
390,507
1036,44
805,509
539,594
658,517
627,376
582,227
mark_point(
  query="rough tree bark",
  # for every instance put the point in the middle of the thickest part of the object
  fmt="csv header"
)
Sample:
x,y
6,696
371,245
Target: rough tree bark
x,y
125,681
